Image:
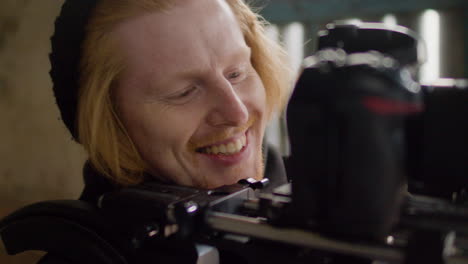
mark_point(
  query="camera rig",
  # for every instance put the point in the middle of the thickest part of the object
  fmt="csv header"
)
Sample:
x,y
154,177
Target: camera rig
x,y
379,172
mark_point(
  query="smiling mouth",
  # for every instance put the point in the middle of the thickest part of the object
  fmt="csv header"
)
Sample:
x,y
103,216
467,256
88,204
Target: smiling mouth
x,y
227,148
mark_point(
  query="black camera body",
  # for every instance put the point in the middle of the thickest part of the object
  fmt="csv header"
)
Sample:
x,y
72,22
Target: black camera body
x,y
362,130
437,142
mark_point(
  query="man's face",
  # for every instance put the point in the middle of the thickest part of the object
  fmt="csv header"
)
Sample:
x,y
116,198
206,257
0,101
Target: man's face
x,y
189,97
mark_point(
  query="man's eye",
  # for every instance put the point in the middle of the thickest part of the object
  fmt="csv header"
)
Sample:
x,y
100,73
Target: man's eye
x,y
184,94
187,92
234,75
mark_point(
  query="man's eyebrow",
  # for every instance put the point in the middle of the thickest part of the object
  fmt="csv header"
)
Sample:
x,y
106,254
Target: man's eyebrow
x,y
243,52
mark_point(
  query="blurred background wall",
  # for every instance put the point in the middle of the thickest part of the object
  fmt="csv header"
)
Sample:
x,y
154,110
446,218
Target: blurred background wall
x,y
38,159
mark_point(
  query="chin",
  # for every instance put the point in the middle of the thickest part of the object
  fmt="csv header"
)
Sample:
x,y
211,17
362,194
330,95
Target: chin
x,y
257,174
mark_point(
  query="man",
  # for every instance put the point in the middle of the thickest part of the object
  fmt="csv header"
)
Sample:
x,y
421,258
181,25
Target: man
x,y
175,91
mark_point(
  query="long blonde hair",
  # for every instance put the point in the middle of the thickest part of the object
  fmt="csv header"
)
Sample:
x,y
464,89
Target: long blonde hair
x,y
110,149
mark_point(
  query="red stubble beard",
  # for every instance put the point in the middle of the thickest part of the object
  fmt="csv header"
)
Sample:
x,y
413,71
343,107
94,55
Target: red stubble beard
x,y
205,182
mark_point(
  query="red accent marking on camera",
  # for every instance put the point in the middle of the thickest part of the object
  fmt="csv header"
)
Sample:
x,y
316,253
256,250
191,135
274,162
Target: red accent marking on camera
x,y
390,107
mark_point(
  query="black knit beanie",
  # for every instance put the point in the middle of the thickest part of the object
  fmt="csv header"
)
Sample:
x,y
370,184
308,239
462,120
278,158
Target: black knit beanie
x,y
65,57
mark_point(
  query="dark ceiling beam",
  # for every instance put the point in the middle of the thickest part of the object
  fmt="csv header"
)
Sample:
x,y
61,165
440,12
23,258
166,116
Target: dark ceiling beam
x,y
283,11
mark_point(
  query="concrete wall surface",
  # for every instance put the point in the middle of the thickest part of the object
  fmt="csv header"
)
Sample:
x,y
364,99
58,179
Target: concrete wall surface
x,y
38,158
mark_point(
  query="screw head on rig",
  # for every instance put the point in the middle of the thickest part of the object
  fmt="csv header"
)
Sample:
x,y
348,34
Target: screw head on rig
x,y
254,184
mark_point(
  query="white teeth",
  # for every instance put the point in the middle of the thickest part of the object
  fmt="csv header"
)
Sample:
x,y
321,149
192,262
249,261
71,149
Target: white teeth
x,y
239,144
214,150
231,148
222,148
227,149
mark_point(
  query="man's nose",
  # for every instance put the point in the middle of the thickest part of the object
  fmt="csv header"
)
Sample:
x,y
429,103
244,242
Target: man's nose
x,y
229,107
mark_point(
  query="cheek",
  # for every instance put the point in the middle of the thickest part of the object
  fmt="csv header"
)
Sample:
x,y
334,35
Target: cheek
x,y
257,94
163,130
158,129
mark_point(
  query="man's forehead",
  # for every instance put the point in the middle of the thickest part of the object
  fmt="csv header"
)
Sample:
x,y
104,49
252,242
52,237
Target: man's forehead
x,y
184,11
182,19
162,47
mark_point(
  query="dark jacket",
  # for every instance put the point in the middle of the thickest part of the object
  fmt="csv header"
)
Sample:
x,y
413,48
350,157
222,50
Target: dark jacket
x,y
96,185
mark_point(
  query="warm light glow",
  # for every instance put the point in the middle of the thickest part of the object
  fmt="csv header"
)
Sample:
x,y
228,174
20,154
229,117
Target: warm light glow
x,y
273,131
390,240
354,21
293,40
430,32
272,32
389,20
294,43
